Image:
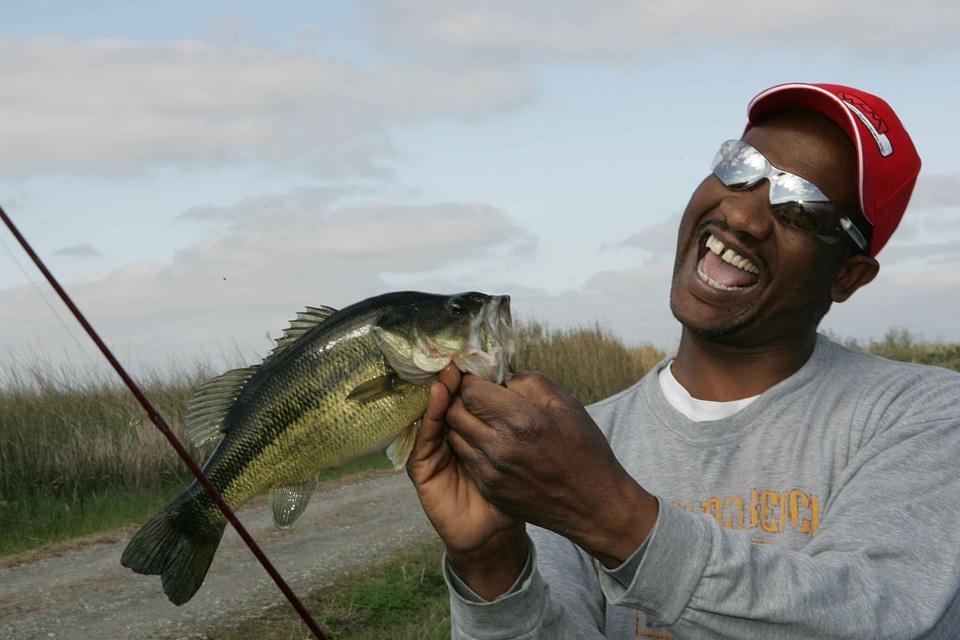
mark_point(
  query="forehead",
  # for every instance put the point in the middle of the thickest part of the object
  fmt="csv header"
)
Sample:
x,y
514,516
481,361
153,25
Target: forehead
x,y
813,147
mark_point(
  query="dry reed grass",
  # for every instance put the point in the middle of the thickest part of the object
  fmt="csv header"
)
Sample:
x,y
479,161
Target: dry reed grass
x,y
67,436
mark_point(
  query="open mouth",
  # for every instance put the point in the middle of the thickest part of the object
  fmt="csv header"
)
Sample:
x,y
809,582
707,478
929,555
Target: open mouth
x,y
725,269
491,349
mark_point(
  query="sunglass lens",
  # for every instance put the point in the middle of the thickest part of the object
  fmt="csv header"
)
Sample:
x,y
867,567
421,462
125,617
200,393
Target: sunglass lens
x,y
820,219
739,166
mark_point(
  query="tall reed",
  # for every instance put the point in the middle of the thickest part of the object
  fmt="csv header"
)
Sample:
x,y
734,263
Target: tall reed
x,y
67,437
71,437
588,362
899,344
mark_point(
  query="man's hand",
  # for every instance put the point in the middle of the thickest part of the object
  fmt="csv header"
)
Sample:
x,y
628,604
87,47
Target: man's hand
x,y
534,452
485,547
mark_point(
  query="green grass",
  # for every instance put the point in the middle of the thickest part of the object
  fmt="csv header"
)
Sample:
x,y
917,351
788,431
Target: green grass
x,y
900,344
42,519
27,524
402,599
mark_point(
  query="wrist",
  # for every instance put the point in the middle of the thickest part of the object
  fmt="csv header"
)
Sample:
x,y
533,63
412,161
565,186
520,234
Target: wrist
x,y
627,522
491,569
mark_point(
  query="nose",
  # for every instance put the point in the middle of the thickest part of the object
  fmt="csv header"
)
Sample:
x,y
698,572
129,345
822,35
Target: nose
x,y
748,211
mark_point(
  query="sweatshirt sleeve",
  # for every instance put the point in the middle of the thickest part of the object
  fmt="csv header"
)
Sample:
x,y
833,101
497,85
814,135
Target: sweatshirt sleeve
x,y
556,600
884,564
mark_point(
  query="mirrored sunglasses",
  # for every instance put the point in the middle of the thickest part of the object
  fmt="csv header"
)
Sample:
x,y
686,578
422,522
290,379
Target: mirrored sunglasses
x,y
794,200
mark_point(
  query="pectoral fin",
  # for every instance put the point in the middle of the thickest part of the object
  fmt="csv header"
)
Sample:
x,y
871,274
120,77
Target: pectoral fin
x,y
399,450
287,503
379,387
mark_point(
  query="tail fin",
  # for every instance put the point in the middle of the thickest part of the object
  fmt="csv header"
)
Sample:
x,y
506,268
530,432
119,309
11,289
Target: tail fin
x,y
172,546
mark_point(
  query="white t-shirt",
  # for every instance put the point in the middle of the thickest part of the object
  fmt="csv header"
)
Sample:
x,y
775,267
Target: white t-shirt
x,y
694,409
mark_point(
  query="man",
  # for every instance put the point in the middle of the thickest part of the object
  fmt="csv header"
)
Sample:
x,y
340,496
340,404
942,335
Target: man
x,y
765,482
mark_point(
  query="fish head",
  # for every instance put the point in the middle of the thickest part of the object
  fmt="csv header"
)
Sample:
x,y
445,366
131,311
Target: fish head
x,y
473,330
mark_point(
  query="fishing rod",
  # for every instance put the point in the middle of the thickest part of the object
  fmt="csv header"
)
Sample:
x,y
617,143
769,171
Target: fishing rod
x,y
161,424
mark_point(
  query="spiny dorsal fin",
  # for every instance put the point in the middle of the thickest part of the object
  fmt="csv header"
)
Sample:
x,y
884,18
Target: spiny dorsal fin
x,y
379,387
209,404
287,503
304,321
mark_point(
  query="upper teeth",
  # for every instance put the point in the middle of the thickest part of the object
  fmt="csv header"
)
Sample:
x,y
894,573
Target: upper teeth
x,y
729,255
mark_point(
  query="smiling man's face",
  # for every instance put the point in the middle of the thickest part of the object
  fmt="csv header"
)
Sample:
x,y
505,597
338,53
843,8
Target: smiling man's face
x,y
743,277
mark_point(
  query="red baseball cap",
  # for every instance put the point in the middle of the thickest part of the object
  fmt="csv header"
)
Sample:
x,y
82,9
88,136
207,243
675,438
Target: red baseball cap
x,y
887,161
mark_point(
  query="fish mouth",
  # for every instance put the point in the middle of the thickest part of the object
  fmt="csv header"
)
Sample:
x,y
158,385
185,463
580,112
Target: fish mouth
x,y
490,349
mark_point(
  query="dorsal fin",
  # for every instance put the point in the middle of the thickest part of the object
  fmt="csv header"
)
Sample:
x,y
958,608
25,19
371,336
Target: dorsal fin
x,y
209,404
304,321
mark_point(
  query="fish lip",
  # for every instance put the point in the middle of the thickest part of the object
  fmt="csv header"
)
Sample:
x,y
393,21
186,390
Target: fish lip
x,y
505,332
494,319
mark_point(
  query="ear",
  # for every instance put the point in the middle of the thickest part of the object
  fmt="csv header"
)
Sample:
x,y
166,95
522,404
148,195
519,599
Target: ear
x,y
854,272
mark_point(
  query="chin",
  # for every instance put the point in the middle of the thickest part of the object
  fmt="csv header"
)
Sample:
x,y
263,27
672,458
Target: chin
x,y
730,330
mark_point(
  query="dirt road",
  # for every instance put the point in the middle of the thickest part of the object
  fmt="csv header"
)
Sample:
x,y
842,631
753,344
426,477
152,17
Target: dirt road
x,y
86,594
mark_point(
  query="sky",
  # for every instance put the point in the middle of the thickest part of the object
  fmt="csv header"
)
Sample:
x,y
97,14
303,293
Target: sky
x,y
195,173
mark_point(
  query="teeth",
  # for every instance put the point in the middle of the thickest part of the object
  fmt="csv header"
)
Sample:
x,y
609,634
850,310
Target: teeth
x,y
713,283
729,255
714,245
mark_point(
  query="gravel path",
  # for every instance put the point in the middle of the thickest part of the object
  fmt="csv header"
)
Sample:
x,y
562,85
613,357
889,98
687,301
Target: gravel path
x,y
86,594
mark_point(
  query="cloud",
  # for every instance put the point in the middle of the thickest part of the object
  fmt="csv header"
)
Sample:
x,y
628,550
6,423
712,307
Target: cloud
x,y
659,239
297,199
115,108
633,303
921,301
935,191
257,266
618,30
929,254
78,251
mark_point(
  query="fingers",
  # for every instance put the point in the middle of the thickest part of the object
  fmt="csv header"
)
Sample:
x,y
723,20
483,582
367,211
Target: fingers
x,y
441,393
539,389
450,377
430,437
523,394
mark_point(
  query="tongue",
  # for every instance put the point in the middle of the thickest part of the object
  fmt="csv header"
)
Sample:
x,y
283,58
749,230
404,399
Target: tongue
x,y
725,273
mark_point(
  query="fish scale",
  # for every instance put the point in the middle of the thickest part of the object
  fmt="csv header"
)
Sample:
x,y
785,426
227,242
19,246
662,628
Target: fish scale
x,y
339,385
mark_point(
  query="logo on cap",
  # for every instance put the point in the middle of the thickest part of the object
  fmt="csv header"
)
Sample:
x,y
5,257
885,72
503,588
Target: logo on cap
x,y
870,119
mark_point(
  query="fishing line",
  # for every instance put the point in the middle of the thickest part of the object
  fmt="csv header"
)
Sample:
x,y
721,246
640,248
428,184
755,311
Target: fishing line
x,y
46,301
167,432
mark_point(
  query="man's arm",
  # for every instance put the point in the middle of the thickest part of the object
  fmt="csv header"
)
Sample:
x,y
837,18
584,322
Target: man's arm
x,y
884,562
485,547
487,550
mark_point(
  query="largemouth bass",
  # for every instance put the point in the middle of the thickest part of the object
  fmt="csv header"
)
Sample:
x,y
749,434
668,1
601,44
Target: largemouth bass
x,y
338,385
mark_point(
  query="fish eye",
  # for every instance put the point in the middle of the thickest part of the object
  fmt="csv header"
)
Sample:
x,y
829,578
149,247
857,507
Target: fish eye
x,y
455,306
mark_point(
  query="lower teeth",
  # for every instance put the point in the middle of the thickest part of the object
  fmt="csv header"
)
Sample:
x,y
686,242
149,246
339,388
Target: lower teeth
x,y
713,283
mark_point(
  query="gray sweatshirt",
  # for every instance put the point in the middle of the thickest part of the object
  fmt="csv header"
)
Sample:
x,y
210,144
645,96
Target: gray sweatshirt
x,y
827,508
